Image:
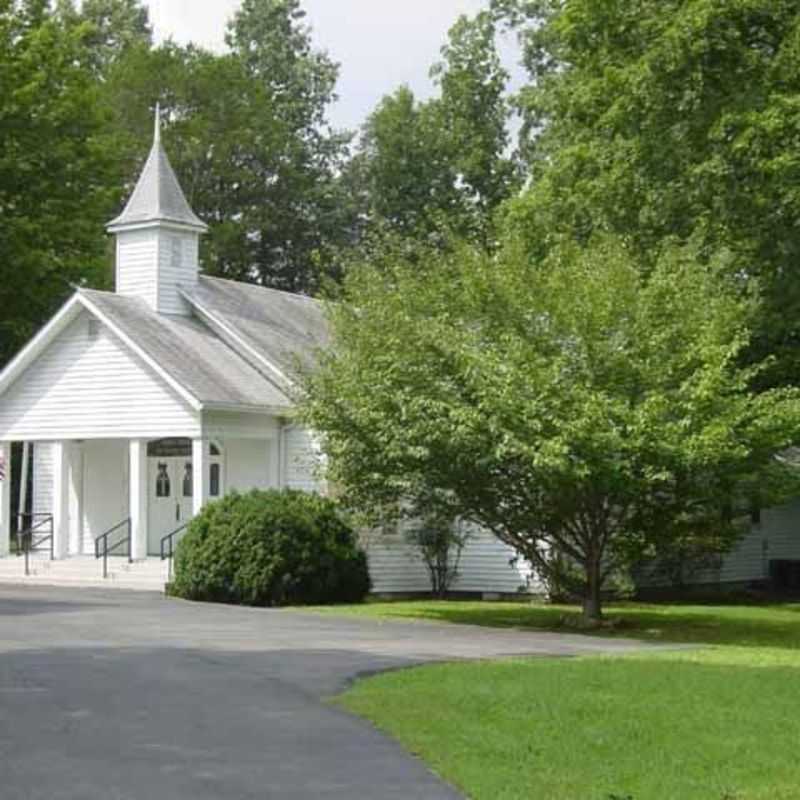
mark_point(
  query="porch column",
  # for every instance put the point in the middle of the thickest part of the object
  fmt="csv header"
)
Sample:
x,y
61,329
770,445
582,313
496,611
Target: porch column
x,y
200,474
138,498
60,499
5,499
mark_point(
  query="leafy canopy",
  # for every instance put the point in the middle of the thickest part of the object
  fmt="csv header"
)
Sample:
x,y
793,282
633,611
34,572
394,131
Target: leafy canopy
x,y
657,119
576,408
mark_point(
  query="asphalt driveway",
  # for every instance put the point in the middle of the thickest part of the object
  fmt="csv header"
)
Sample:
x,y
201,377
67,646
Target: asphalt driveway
x,y
110,695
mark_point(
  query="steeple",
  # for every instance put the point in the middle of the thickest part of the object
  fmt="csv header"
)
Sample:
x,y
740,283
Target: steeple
x,y
158,236
158,196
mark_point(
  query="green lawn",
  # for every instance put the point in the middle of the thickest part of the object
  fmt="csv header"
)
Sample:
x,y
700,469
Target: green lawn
x,y
716,723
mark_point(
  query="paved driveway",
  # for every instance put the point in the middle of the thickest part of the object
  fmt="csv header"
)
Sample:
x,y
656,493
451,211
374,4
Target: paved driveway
x,y
121,696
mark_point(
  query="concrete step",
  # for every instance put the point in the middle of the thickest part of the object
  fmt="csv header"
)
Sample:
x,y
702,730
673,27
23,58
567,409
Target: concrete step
x,y
148,575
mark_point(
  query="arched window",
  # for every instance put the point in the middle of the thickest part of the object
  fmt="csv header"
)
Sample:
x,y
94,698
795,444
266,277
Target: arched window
x,y
162,482
187,479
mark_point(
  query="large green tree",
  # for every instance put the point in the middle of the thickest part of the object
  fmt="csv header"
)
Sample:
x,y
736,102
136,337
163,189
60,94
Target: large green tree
x,y
661,119
584,413
57,174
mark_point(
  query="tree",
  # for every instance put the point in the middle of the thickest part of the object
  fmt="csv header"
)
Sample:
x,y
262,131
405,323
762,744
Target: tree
x,y
423,168
57,176
669,118
578,409
440,540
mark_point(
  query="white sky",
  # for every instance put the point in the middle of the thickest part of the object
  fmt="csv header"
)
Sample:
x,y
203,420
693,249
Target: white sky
x,y
380,44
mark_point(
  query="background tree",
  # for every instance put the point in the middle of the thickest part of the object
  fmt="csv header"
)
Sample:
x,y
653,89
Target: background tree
x,y
669,118
57,175
577,409
424,168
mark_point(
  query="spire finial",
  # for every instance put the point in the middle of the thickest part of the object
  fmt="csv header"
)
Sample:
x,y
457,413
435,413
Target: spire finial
x,y
157,134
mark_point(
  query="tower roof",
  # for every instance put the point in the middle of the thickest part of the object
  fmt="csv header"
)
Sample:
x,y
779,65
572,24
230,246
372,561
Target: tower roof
x,y
158,196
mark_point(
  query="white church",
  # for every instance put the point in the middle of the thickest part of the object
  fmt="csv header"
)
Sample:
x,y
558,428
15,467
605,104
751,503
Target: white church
x,y
142,405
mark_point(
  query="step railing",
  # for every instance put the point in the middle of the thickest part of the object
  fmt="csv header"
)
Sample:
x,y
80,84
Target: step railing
x,y
168,546
102,548
40,530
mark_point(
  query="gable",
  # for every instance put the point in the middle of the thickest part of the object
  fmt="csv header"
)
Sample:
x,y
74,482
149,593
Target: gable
x,y
86,384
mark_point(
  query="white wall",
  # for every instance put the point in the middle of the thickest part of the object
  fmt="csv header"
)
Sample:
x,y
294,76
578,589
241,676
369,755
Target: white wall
x,y
249,464
302,461
91,387
485,566
137,268
177,266
42,478
105,488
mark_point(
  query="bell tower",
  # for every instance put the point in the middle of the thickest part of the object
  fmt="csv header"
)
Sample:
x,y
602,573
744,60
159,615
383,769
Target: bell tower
x,y
158,237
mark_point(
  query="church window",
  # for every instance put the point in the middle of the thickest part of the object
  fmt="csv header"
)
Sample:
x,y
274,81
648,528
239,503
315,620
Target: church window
x,y
213,484
187,479
162,481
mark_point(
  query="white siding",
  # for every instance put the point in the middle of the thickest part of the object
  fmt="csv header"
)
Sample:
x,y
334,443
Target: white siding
x,y
137,265
248,464
302,461
485,566
177,266
226,424
42,478
105,488
777,537
88,386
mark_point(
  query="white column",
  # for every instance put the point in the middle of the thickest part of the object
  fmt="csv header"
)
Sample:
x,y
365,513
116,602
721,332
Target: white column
x,y
138,498
200,474
60,499
5,499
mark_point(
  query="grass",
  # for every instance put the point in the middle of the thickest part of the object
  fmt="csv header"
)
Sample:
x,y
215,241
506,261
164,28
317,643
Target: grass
x,y
717,723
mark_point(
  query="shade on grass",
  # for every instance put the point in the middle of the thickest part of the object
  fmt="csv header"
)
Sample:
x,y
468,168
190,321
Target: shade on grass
x,y
716,723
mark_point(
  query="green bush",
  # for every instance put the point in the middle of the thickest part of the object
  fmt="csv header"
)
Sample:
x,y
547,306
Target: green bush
x,y
270,548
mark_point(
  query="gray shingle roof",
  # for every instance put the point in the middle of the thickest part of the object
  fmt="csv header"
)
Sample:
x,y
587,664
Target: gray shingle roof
x,y
286,329
158,196
191,353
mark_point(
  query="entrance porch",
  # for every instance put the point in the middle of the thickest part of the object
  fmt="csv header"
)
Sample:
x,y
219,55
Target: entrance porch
x,y
149,487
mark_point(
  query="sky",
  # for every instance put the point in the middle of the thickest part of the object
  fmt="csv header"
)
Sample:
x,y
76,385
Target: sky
x,y
380,44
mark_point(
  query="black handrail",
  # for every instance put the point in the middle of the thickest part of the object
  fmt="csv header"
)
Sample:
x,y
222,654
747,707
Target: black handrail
x,y
28,543
169,539
106,549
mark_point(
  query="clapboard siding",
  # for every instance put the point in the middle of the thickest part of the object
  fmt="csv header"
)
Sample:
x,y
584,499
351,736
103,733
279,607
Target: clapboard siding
x,y
302,461
777,537
177,266
137,273
487,565
90,386
42,478
249,464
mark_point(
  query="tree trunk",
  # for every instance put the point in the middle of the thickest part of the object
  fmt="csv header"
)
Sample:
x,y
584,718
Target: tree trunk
x,y
592,605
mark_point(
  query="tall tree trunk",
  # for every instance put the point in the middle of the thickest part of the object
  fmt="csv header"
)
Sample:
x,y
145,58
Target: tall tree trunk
x,y
592,605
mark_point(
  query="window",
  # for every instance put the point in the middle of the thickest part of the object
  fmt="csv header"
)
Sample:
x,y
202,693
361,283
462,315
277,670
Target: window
x,y
213,483
162,481
177,251
187,479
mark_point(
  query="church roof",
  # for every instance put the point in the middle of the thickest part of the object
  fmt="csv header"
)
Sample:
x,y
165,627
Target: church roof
x,y
191,353
283,330
158,196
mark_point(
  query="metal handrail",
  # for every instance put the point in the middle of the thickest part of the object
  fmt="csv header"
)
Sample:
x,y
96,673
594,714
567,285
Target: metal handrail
x,y
106,549
169,539
25,537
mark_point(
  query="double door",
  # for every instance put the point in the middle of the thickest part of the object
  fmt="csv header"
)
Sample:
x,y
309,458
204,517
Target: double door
x,y
171,497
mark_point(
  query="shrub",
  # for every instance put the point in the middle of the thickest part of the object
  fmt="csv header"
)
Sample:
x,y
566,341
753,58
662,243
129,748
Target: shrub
x,y
270,548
